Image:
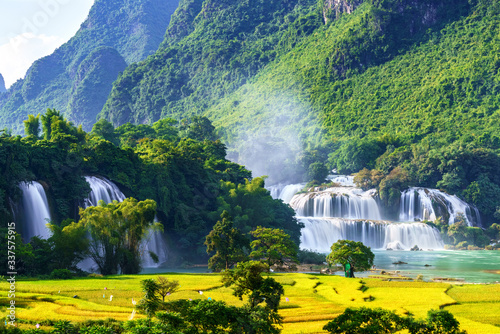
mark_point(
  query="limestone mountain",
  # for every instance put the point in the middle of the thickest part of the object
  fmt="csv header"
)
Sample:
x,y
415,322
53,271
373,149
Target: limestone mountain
x,y
2,84
276,77
77,78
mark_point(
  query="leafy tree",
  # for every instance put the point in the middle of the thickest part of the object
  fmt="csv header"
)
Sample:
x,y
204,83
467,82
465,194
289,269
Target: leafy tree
x,y
32,126
273,246
150,303
116,231
70,243
392,185
50,117
364,320
227,242
105,130
250,206
166,287
317,172
458,231
368,179
355,253
199,128
247,280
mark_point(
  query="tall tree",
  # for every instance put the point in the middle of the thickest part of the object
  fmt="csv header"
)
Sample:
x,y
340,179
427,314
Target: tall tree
x,y
273,246
32,126
227,242
356,254
117,230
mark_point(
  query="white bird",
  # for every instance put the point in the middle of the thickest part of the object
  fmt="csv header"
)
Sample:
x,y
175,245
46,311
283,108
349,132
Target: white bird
x,y
133,301
111,298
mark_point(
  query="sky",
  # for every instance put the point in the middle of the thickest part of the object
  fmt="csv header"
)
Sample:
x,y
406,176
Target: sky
x,y
32,29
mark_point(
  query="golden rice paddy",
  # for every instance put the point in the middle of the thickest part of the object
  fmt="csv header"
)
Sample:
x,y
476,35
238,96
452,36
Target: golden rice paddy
x,y
310,301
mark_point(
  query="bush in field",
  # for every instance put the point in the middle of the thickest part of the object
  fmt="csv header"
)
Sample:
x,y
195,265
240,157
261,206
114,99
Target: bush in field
x,y
364,320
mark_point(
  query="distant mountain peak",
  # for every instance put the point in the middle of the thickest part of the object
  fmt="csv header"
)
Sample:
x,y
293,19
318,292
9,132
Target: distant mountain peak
x,y
2,84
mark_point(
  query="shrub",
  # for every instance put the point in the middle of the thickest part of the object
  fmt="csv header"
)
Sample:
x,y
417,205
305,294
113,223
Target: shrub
x,y
61,274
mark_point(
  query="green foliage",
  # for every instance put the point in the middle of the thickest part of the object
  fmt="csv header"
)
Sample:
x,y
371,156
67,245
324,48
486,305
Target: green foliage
x,y
165,287
116,231
350,252
368,179
150,303
392,185
273,247
77,78
317,172
250,206
247,280
227,242
32,126
364,320
60,274
305,256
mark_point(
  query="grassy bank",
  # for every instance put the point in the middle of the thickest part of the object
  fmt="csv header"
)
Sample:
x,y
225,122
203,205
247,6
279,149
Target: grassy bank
x,y
310,301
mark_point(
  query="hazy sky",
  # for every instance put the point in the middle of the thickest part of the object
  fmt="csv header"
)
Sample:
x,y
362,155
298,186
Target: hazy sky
x,y
31,29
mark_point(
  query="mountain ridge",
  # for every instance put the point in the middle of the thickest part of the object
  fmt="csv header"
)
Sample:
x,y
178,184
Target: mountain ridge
x,y
133,28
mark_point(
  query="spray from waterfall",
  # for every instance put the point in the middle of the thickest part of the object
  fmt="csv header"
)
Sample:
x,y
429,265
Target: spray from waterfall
x,y
35,211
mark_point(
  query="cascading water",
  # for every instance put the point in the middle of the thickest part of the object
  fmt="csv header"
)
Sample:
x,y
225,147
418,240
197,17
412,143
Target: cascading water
x,y
102,189
285,192
347,212
105,190
342,202
35,211
320,233
427,204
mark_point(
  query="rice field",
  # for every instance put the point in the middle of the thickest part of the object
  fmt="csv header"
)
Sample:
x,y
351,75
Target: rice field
x,y
310,301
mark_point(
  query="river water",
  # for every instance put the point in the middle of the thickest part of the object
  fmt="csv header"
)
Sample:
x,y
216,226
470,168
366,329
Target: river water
x,y
470,266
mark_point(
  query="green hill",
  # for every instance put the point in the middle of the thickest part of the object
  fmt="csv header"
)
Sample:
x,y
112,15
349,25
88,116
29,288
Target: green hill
x,y
406,87
78,76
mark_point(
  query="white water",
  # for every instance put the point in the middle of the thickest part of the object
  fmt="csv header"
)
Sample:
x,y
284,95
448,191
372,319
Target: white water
x,y
105,190
341,202
102,189
285,192
320,233
36,213
422,203
342,180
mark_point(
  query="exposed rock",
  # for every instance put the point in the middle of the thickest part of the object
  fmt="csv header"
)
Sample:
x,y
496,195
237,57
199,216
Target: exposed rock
x,y
400,262
2,84
332,9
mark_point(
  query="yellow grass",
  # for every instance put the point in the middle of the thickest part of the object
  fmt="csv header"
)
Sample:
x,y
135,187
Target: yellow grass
x,y
310,301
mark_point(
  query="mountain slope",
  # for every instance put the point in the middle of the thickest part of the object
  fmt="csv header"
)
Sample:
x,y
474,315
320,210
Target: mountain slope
x,y
134,29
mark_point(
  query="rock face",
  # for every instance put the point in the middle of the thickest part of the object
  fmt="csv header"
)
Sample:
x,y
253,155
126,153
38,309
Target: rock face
x,y
2,84
92,85
78,76
332,9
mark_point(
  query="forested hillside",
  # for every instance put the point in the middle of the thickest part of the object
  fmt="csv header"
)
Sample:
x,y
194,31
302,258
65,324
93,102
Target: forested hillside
x,y
181,167
78,76
409,88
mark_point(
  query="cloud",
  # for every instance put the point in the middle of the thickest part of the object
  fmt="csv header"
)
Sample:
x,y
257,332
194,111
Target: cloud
x,y
18,55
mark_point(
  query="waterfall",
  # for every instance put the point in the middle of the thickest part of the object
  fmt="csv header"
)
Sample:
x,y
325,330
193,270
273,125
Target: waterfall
x,y
285,192
427,204
319,234
104,189
342,180
35,211
342,202
153,242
